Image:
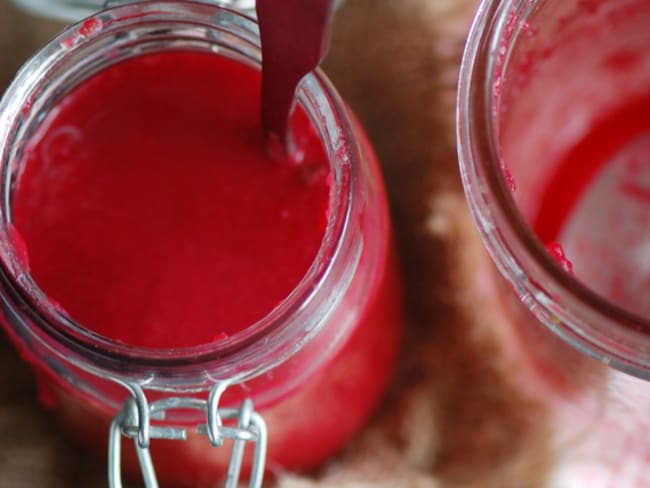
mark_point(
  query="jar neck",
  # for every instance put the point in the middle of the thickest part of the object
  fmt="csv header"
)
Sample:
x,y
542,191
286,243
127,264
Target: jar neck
x,y
75,10
571,309
140,28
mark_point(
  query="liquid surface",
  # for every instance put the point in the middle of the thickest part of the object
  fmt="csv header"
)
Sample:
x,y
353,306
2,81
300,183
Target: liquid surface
x,y
598,207
151,212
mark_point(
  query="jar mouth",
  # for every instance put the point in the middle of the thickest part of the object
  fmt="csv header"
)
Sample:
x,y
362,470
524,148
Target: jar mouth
x,y
74,10
586,319
129,30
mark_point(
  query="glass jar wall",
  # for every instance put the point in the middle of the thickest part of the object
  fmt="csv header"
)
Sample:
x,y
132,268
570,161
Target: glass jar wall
x,y
554,140
315,367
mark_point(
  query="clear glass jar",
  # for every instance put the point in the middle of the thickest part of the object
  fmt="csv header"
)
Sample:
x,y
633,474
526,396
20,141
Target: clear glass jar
x,y
74,10
554,137
315,367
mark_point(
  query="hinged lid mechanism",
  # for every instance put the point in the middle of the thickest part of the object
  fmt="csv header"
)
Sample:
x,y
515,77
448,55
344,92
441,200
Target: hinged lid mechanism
x,y
134,421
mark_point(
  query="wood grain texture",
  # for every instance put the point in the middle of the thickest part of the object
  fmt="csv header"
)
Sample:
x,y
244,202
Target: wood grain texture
x,y
453,418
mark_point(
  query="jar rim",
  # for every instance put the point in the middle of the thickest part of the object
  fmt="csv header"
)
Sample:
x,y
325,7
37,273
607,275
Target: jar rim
x,y
260,346
585,319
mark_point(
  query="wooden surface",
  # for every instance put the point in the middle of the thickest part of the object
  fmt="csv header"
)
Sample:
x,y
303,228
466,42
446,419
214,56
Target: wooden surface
x,y
453,417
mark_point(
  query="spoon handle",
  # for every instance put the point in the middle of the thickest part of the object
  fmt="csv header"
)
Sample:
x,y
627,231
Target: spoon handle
x,y
295,37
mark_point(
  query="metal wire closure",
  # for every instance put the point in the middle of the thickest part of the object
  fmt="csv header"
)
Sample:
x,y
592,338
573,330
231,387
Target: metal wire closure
x,y
241,5
134,421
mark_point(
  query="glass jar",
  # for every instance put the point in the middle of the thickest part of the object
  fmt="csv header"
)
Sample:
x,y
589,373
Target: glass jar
x,y
314,368
74,10
554,137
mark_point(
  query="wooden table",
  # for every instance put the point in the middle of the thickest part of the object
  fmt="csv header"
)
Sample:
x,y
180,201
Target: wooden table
x,y
452,418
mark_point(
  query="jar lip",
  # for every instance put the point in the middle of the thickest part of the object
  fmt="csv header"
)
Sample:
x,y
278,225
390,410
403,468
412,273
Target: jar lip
x,y
315,94
74,10
492,204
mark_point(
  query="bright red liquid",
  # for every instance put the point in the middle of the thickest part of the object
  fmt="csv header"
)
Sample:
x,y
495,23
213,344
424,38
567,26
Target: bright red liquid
x,y
151,212
153,216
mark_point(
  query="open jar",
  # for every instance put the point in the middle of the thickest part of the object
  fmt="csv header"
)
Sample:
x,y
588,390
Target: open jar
x,y
554,144
314,366
74,10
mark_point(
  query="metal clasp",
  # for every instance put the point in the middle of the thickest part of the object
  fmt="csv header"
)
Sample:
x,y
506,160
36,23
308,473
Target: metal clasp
x,y
134,421
240,5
